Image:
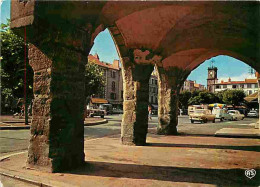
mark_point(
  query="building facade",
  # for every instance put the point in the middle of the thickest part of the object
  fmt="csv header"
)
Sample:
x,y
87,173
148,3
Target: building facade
x,y
153,89
249,86
113,90
190,85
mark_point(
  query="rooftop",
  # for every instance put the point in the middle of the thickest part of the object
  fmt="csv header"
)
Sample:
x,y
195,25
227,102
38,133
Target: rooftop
x,y
95,58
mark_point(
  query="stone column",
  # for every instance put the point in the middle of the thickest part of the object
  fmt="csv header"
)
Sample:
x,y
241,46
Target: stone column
x,y
136,74
258,77
170,82
57,129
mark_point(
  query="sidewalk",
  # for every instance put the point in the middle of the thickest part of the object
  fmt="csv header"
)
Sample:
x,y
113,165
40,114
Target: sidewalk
x,y
11,123
240,132
165,161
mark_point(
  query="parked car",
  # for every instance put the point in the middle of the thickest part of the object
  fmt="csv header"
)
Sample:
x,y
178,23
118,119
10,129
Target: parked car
x,y
236,115
192,108
107,107
96,112
221,114
202,115
253,113
118,111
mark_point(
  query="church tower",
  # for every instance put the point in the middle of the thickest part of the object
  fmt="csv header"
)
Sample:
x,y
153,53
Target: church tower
x,y
212,78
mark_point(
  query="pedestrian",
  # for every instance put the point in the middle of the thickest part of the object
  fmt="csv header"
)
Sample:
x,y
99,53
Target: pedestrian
x,y
149,112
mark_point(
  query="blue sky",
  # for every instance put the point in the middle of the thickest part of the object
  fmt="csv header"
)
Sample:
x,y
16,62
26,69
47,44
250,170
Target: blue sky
x,y
105,48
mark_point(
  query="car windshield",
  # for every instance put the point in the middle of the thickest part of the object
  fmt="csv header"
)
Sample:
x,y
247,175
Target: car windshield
x,y
252,112
231,112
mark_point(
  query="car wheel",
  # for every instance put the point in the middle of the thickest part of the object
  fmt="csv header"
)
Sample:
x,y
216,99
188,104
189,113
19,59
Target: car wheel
x,y
191,121
221,119
213,121
102,116
242,118
91,115
205,120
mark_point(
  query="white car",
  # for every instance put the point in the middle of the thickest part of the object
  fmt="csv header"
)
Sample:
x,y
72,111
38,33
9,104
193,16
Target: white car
x,y
221,114
253,113
236,115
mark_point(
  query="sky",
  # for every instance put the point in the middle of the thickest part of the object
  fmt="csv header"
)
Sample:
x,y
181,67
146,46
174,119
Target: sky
x,y
104,46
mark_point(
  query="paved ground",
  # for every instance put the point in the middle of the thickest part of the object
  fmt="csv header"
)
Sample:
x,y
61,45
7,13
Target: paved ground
x,y
166,161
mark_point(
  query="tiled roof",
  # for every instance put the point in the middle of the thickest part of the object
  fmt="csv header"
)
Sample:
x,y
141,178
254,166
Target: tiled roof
x,y
252,97
100,63
246,81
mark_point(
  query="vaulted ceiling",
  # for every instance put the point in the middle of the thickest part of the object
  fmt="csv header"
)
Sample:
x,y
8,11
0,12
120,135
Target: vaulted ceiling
x,y
183,33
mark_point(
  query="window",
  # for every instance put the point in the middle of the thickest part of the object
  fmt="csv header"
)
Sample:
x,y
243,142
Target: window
x,y
156,100
155,81
241,86
113,86
113,74
218,86
249,85
151,99
249,92
225,86
234,86
122,94
113,96
256,85
152,81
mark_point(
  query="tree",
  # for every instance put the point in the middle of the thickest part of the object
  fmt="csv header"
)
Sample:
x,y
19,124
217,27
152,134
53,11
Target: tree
x,y
233,97
184,98
94,79
12,69
200,97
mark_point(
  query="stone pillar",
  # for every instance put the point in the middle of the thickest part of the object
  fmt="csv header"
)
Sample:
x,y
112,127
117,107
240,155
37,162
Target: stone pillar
x,y
258,77
57,129
136,74
170,82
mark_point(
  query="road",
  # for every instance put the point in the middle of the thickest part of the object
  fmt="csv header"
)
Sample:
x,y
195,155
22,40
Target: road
x,y
13,141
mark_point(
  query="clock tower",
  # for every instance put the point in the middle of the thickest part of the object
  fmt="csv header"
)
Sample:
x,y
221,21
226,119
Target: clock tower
x,y
212,78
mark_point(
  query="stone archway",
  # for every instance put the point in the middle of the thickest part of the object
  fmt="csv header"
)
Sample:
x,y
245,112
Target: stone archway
x,y
170,35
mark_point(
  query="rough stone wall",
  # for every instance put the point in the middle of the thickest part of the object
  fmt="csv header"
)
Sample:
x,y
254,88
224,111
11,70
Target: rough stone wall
x,y
170,82
58,57
136,98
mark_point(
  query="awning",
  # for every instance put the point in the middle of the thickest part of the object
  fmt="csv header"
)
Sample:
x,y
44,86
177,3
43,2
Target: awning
x,y
217,105
98,101
252,98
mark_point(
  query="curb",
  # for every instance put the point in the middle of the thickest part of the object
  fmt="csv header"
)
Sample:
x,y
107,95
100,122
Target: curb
x,y
28,127
95,123
16,121
15,127
237,136
24,180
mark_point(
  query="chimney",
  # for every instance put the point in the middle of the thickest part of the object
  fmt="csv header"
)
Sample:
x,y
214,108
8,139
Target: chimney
x,y
222,81
116,64
229,79
96,56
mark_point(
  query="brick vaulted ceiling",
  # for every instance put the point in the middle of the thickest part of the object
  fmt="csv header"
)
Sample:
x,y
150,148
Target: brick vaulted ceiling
x,y
184,33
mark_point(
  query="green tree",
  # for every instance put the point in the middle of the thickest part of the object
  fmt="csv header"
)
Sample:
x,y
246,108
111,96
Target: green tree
x,y
94,79
233,97
205,97
12,69
184,98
